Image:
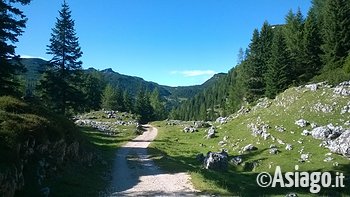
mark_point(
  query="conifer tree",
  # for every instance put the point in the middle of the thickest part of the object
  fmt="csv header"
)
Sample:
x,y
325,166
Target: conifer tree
x,y
266,36
143,107
92,89
128,102
336,33
255,80
158,106
62,79
278,72
12,23
109,98
312,47
293,31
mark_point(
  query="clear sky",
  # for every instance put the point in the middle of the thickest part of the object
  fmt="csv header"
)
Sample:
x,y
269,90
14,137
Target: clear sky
x,y
171,42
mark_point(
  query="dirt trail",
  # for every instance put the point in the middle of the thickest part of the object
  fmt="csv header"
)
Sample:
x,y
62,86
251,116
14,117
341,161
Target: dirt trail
x,y
134,174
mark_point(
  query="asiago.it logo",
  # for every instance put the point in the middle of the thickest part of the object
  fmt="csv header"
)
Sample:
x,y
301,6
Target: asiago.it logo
x,y
315,181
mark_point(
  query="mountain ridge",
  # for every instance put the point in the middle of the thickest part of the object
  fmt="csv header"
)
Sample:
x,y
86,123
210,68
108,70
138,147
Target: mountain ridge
x,y
125,82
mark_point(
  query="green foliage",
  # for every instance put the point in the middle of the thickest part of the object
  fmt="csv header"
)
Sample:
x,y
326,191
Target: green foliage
x,y
255,69
62,80
312,41
279,67
19,120
347,65
311,49
110,98
336,33
92,88
294,30
12,23
143,107
157,105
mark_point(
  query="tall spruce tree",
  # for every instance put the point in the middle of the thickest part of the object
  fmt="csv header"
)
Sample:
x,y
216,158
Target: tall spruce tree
x,y
293,31
62,79
278,72
336,33
128,102
12,23
109,98
255,79
312,46
92,89
143,107
266,36
158,106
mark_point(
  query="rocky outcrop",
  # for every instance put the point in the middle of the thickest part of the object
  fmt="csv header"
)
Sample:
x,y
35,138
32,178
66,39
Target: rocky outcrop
x,y
216,161
342,89
327,132
341,145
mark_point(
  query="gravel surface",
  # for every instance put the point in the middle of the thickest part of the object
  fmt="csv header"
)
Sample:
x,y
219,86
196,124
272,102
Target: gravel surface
x,y
135,174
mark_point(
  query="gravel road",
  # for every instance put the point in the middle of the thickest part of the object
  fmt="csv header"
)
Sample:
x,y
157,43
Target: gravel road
x,y
135,174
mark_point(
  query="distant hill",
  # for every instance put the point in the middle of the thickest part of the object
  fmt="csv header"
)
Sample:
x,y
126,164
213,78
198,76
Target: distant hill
x,y
125,82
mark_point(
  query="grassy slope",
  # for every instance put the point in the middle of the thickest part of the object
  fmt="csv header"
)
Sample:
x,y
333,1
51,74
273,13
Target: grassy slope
x,y
180,148
93,180
19,119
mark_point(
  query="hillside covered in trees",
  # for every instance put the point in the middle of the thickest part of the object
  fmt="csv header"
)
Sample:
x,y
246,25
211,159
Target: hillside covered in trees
x,y
305,49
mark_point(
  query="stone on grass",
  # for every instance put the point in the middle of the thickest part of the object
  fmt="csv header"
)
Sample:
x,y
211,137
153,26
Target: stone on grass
x,y
249,147
216,161
274,151
304,157
211,132
289,147
236,160
301,123
221,120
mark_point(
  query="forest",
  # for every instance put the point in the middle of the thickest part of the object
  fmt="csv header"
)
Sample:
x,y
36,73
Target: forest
x,y
305,49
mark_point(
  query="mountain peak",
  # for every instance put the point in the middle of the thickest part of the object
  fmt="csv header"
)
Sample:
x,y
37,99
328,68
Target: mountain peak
x,y
108,70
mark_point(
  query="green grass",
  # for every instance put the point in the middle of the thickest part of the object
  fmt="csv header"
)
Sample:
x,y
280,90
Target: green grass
x,y
78,180
20,121
175,150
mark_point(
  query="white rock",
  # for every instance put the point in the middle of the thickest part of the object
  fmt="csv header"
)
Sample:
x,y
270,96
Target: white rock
x,y
301,123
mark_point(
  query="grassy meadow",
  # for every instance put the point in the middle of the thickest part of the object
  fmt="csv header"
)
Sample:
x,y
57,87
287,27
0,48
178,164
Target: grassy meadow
x,y
175,150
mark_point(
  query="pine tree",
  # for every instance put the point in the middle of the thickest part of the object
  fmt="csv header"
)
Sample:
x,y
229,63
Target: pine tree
x,y
128,102
92,89
312,47
278,72
143,107
158,106
266,36
255,80
109,98
62,79
12,23
336,33
293,31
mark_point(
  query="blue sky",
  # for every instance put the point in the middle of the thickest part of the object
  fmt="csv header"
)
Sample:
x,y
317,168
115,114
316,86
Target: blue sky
x,y
171,42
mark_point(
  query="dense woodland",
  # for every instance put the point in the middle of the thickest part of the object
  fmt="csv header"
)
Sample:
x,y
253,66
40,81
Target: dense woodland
x,y
305,49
